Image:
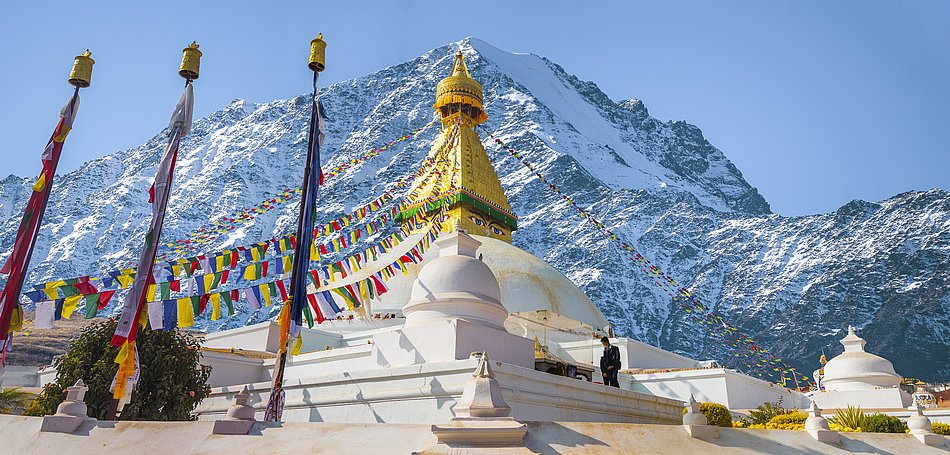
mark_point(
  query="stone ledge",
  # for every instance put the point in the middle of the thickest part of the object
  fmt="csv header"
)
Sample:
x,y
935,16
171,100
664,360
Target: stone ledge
x,y
481,432
232,427
62,423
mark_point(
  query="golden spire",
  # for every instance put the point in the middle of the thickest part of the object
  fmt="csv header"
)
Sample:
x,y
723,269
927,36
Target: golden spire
x,y
459,92
463,177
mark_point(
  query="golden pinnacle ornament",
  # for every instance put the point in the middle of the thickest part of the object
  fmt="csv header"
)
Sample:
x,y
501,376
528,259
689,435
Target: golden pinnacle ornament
x,y
81,74
190,62
318,54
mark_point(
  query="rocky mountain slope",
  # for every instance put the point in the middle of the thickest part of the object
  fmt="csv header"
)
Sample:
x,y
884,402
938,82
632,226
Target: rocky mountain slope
x,y
792,283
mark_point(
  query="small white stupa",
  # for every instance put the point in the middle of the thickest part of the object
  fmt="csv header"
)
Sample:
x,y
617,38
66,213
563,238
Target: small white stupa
x,y
855,369
858,378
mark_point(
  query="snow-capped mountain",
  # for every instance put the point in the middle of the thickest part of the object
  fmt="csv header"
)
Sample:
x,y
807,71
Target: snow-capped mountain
x,y
794,284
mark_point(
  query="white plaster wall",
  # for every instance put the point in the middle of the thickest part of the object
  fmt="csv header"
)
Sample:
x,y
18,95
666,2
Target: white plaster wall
x,y
633,354
229,369
705,388
437,341
257,337
746,392
18,376
428,393
734,390
892,398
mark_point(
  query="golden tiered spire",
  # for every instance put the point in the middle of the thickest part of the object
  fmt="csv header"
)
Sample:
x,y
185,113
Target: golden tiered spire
x,y
463,177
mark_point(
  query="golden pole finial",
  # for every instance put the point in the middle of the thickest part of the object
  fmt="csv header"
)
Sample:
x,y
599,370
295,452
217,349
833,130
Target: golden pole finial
x,y
190,62
318,54
81,74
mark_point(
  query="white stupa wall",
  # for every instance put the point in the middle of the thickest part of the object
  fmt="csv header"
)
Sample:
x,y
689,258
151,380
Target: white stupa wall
x,y
633,354
428,393
449,340
734,390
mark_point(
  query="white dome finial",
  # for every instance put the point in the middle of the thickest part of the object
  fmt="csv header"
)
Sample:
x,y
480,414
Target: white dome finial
x,y
852,342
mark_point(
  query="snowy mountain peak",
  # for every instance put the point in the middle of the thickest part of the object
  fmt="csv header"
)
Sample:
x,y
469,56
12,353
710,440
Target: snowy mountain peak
x,y
792,283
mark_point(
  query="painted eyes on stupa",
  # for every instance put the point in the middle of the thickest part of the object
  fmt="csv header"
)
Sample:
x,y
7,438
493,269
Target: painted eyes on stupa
x,y
478,221
496,229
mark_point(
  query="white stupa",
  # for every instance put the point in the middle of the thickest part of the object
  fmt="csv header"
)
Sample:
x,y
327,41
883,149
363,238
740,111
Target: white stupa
x,y
856,369
858,378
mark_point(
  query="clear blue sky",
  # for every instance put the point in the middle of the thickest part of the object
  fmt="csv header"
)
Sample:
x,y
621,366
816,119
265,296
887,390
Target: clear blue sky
x,y
817,103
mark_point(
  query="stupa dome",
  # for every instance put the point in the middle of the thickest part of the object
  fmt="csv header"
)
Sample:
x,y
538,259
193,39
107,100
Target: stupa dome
x,y
527,283
855,369
456,285
455,277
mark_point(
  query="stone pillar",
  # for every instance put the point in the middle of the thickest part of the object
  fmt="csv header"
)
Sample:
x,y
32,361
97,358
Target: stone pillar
x,y
817,426
921,428
240,417
71,413
695,422
482,419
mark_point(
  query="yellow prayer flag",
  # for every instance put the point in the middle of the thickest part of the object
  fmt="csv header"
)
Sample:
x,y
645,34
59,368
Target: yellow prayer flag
x,y
298,343
265,292
52,292
215,306
126,361
186,314
364,290
209,278
150,293
40,184
143,319
124,281
70,305
250,273
288,264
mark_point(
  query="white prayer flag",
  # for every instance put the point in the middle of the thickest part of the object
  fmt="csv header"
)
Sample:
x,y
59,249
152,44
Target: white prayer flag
x,y
156,311
45,314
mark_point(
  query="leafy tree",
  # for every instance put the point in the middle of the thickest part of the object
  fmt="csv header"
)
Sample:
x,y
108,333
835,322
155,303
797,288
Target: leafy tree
x,y
766,411
170,386
14,400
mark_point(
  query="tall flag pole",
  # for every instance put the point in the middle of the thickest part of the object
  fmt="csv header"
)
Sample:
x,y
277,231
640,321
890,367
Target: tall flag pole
x,y
291,313
17,264
135,300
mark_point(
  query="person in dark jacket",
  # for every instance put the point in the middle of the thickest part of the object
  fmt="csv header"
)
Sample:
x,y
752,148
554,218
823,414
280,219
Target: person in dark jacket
x,y
610,363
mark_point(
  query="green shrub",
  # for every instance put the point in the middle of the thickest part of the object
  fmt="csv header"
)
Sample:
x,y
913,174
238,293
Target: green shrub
x,y
792,417
14,400
766,411
716,414
791,421
170,386
941,428
849,418
882,423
